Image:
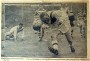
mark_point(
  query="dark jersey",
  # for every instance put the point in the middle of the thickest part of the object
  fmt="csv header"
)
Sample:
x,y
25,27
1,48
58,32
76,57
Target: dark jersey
x,y
71,18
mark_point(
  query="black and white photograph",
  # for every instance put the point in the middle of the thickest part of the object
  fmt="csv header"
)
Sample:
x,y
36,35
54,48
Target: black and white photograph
x,y
44,30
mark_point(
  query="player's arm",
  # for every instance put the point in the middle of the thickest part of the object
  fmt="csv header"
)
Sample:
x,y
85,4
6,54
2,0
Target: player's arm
x,y
15,34
59,19
21,29
41,33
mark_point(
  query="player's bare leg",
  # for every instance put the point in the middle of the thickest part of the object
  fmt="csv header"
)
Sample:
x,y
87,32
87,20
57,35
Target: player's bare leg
x,y
54,48
69,39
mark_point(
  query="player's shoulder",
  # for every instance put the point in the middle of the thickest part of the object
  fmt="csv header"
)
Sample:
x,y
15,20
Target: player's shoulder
x,y
56,13
53,11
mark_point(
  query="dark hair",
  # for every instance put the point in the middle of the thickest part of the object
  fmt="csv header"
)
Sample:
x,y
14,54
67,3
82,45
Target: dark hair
x,y
43,19
21,24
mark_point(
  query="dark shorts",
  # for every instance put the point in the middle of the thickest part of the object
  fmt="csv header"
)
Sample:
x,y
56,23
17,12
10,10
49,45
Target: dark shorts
x,y
71,23
71,18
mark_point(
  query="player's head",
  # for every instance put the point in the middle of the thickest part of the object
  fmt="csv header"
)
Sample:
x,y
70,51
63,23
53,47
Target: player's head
x,y
44,17
20,25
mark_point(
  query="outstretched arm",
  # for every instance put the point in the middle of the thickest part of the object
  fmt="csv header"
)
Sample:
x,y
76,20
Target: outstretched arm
x,y
41,34
15,35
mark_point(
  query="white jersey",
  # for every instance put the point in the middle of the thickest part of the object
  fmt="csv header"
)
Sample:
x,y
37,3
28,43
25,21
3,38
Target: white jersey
x,y
62,18
13,31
